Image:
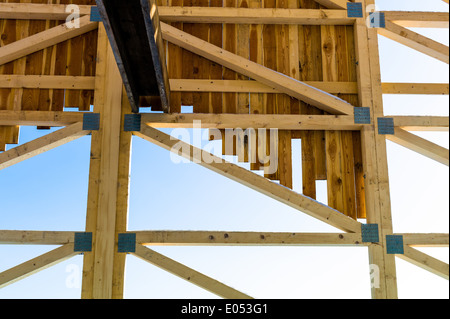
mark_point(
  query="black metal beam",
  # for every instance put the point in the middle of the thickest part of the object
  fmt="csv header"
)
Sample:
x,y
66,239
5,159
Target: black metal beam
x,y
131,32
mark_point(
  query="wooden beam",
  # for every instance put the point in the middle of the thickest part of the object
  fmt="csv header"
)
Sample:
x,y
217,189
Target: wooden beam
x,y
244,121
47,82
426,240
415,88
223,238
414,19
333,4
244,86
254,16
254,181
256,71
420,145
41,145
415,41
39,118
446,1
36,11
422,123
425,261
188,274
44,39
37,264
17,237
98,269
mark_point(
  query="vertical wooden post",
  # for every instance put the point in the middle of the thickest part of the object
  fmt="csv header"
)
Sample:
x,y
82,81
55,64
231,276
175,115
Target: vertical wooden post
x,y
377,191
108,181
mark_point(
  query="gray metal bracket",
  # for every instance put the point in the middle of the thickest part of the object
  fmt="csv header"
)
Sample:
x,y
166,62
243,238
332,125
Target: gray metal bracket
x,y
82,242
91,121
127,243
362,115
394,244
386,126
355,10
370,233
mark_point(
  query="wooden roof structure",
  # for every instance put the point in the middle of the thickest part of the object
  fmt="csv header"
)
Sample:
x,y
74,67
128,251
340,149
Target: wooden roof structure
x,y
308,68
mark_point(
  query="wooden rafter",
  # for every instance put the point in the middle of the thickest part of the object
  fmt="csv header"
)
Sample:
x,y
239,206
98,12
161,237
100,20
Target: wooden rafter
x,y
283,83
245,86
426,240
39,118
244,121
254,16
425,261
420,145
37,11
415,19
44,39
188,274
416,88
254,181
223,238
47,82
415,41
41,145
422,123
37,264
15,237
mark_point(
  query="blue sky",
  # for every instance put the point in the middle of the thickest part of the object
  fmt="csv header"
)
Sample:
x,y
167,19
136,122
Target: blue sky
x,y
49,192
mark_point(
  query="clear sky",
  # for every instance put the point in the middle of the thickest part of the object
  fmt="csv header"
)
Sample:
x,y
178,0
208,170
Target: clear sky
x,y
49,192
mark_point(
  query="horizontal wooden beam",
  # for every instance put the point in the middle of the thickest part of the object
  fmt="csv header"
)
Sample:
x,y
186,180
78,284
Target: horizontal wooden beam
x,y
187,273
426,240
252,180
37,264
415,41
44,39
19,237
41,145
281,82
333,4
422,123
47,82
420,145
36,11
418,19
245,86
254,16
425,261
244,121
223,238
39,118
415,88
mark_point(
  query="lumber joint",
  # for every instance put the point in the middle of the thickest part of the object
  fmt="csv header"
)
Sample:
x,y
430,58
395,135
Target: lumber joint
x,y
126,243
91,121
394,245
132,123
370,233
82,242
